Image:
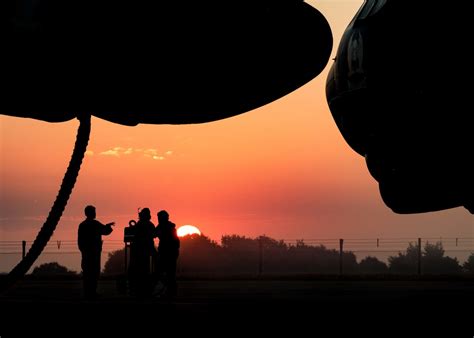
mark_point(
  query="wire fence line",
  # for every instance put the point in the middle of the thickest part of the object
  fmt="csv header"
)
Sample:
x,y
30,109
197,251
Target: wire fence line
x,y
381,248
55,247
452,244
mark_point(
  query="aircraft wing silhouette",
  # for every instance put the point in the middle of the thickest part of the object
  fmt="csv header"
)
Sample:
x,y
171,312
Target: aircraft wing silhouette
x,y
399,96
168,62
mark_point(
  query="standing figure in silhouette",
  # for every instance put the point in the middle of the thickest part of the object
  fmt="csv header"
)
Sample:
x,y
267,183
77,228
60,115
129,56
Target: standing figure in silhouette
x,y
142,249
168,252
89,240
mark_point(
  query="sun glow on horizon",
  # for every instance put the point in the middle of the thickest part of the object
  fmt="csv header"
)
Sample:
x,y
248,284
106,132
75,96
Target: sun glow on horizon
x,y
186,230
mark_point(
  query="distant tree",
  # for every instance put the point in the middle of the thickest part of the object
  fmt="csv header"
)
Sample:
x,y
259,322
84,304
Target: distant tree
x,y
349,262
275,256
115,264
52,269
197,242
372,265
301,244
406,262
270,243
326,261
240,254
468,266
238,243
199,254
297,258
433,261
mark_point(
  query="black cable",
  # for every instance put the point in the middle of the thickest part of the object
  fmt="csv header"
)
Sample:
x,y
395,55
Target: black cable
x,y
69,180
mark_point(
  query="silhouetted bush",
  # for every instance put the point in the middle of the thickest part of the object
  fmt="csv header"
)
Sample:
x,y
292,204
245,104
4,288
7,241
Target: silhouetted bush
x,y
371,265
433,261
115,263
468,266
240,254
199,254
52,269
405,263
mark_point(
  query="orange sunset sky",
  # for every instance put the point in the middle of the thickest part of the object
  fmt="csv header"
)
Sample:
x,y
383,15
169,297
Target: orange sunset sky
x,y
282,170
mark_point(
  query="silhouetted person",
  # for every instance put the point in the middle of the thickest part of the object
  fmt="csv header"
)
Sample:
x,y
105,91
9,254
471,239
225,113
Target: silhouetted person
x,y
89,240
168,252
142,249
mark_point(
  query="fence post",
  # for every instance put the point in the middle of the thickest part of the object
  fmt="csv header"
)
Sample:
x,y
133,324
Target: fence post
x,y
341,250
260,256
23,249
419,256
126,258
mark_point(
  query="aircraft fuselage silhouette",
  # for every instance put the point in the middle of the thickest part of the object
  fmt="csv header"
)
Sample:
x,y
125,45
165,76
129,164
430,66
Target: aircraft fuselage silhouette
x,y
400,99
156,62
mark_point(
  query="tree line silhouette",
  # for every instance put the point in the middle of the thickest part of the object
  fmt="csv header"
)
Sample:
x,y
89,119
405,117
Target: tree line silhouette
x,y
240,255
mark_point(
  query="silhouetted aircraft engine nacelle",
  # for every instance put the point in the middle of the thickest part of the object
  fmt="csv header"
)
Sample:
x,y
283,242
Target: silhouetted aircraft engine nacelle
x,y
398,94
170,62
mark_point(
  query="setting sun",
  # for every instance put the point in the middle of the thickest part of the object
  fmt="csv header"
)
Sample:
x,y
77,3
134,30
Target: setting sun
x,y
188,230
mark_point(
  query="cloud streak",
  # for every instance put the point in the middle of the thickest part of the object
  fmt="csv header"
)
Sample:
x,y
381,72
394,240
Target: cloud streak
x,y
151,153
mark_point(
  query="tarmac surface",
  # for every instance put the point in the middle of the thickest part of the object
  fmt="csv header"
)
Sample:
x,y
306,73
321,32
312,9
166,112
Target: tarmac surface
x,y
251,304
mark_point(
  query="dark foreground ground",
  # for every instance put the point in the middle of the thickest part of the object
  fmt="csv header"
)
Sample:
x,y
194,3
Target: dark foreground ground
x,y
376,307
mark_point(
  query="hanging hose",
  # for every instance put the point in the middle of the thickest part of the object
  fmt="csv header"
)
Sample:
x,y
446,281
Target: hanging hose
x,y
82,139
